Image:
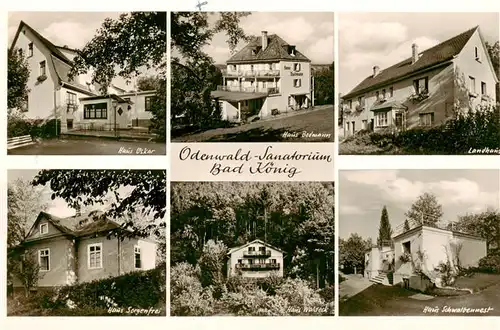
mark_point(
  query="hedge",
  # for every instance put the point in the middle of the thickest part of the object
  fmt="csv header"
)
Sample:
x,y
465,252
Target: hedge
x,y
35,128
143,289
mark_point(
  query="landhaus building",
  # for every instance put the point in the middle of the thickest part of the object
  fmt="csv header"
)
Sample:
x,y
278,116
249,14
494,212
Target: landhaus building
x,y
76,101
426,89
255,259
266,77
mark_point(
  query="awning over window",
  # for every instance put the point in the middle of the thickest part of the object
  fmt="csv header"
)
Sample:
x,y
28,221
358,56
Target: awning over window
x,y
386,106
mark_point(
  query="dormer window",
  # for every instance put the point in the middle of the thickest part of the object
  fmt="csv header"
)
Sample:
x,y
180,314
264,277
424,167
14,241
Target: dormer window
x,y
44,228
291,50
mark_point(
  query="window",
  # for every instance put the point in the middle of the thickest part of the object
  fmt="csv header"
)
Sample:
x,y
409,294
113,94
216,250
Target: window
x,y
476,54
42,68
290,100
251,248
137,257
273,261
399,119
20,52
30,49
240,261
349,104
472,84
251,67
44,260
70,98
426,119
483,88
250,261
377,95
407,247
383,94
95,255
262,248
296,67
391,92
421,85
297,82
44,228
233,67
364,122
360,101
381,119
95,111
147,103
347,126
269,66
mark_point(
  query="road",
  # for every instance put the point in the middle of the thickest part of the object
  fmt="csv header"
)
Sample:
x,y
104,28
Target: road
x,y
91,146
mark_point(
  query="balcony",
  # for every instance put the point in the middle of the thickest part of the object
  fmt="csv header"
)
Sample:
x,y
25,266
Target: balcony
x,y
360,107
252,73
266,253
266,90
256,267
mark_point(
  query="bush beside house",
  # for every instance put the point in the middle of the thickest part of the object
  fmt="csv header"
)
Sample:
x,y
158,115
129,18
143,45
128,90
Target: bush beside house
x,y
18,126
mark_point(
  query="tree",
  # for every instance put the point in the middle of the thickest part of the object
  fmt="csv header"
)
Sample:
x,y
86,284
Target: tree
x,y
194,74
23,206
352,252
17,80
158,107
26,269
425,211
384,229
126,47
92,187
323,85
494,52
212,265
485,224
406,226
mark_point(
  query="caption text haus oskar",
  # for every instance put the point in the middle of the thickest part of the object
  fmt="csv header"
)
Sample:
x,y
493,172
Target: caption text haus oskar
x,y
266,162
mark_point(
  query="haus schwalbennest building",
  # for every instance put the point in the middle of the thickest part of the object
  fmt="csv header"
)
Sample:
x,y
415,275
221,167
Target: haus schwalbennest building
x,y
77,102
426,89
266,77
76,249
255,259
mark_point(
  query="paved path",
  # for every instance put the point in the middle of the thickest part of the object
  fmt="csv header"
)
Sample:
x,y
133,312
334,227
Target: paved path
x,y
353,285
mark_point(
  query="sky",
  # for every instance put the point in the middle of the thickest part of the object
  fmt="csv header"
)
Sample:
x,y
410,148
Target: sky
x,y
384,39
312,33
363,193
58,206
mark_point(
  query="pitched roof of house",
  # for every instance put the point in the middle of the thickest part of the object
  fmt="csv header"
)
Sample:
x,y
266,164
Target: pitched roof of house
x,y
252,242
79,225
439,54
277,49
62,64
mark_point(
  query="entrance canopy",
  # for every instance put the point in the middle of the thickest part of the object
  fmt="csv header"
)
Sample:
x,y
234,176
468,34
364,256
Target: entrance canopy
x,y
236,96
386,106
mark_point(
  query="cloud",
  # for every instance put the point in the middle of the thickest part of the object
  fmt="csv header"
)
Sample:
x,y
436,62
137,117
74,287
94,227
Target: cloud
x,y
293,30
351,210
321,51
458,192
71,34
59,208
358,35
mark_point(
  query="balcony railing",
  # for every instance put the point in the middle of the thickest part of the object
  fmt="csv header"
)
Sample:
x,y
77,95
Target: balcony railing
x,y
267,90
266,266
266,253
252,73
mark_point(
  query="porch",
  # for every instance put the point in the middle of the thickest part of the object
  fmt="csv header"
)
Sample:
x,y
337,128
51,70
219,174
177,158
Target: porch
x,y
239,106
389,115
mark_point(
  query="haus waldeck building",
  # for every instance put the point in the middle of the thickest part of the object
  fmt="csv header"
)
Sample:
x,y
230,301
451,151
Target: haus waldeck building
x,y
426,89
77,102
266,77
255,259
76,249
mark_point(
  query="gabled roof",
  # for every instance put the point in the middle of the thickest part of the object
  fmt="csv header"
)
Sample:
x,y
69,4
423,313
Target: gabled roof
x,y
439,54
252,242
277,49
78,225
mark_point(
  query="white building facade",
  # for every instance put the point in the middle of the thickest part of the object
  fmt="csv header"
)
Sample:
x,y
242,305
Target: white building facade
x,y
255,259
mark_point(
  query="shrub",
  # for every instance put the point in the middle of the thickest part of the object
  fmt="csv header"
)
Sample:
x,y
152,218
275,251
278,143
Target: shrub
x,y
143,289
46,130
490,264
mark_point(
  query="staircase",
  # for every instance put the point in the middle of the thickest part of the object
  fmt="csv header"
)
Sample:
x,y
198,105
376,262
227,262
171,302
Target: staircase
x,y
383,278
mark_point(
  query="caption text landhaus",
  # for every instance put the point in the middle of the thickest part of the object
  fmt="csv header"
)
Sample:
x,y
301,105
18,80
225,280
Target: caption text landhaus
x,y
266,162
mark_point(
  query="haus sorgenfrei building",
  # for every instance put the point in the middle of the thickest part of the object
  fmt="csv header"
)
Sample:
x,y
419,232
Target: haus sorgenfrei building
x,y
266,77
426,89
76,249
255,259
76,101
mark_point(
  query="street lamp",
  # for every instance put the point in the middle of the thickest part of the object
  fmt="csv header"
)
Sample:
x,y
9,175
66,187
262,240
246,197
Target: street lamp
x,y
114,103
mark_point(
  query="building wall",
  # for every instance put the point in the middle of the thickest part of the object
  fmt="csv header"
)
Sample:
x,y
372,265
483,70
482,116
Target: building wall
x,y
122,121
239,254
471,251
76,115
42,94
138,111
287,80
440,101
61,261
401,269
467,65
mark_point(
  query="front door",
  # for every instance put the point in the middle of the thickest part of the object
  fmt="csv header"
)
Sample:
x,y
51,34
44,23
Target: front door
x,y
69,124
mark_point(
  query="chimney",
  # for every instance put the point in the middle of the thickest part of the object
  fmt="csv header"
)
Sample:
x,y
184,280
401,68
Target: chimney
x,y
376,70
264,40
414,53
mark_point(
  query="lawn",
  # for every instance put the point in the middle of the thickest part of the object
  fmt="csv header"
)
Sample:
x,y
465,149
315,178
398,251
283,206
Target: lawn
x,y
313,126
379,300
91,146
